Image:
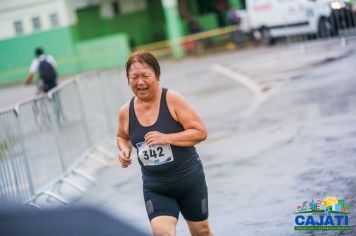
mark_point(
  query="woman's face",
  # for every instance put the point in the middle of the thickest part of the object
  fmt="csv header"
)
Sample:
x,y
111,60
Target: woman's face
x,y
142,80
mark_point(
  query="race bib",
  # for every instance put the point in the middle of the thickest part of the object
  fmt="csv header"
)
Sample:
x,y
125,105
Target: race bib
x,y
155,155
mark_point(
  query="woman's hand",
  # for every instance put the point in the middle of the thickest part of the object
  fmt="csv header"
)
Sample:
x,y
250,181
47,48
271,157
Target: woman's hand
x,y
124,158
156,138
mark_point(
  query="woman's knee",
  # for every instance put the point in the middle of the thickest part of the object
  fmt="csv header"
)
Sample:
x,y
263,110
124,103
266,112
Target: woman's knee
x,y
200,228
164,225
163,231
204,231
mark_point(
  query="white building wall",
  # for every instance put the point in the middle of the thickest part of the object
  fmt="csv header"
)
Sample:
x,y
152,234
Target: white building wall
x,y
25,11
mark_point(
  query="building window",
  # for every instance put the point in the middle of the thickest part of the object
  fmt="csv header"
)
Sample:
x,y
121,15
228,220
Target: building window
x,y
36,23
18,27
53,18
116,8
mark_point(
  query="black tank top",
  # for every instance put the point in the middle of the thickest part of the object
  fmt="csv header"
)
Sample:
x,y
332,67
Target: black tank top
x,y
161,164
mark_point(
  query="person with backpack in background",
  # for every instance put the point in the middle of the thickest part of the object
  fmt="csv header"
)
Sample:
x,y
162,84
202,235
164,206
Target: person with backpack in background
x,y
45,66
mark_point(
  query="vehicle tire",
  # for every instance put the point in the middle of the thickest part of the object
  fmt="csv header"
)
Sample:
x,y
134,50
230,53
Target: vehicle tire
x,y
325,28
266,37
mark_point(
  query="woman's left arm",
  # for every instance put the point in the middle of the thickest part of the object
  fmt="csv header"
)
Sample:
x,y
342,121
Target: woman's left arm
x,y
194,129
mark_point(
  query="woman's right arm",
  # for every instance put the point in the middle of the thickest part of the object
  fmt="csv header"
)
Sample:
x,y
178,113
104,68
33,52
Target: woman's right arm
x,y
122,137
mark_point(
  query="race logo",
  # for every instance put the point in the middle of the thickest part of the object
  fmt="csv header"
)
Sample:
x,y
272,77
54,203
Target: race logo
x,y
329,214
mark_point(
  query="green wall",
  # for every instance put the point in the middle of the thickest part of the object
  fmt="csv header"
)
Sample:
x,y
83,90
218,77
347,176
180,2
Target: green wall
x,y
207,21
90,24
156,15
145,26
104,52
137,25
72,56
17,53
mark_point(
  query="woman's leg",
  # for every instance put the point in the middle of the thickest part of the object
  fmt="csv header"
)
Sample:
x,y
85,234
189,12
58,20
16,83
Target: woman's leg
x,y
163,212
194,204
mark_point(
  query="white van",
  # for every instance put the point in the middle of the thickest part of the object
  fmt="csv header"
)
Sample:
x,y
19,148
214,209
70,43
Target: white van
x,y
269,19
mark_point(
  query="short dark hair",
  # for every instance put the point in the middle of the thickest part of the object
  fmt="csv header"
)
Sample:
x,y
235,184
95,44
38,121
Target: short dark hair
x,y
39,52
143,57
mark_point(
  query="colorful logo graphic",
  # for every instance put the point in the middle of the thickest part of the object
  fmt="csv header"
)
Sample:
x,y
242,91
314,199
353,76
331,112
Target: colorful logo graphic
x,y
328,214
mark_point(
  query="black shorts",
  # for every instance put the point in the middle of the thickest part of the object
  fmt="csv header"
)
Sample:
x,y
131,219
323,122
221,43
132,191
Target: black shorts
x,y
188,195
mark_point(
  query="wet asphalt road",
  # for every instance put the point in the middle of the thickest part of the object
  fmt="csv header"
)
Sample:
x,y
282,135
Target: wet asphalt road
x,y
267,151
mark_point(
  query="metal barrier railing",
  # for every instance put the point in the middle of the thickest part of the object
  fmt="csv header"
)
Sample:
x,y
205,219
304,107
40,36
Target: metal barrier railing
x,y
42,137
38,139
15,183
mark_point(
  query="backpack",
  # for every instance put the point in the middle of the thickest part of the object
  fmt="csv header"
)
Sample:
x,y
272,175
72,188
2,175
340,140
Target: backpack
x,y
47,72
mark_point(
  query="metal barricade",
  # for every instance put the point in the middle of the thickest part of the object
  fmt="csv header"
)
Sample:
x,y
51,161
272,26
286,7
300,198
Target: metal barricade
x,y
113,84
41,138
15,176
68,121
40,141
95,109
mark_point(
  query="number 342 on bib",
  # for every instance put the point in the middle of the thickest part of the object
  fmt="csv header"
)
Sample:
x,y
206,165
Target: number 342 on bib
x,y
154,155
